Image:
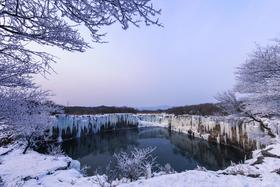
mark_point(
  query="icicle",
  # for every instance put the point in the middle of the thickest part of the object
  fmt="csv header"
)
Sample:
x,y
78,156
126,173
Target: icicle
x,y
218,139
59,134
182,123
79,129
59,139
237,133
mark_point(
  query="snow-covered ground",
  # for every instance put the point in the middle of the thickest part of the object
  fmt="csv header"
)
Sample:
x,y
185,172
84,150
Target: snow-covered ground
x,y
248,174
34,169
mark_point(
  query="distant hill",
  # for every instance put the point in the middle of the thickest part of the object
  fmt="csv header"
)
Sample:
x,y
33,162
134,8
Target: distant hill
x,y
79,110
154,108
200,109
207,109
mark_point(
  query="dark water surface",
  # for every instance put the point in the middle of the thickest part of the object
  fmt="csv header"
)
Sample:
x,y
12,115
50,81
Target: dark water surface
x,y
179,150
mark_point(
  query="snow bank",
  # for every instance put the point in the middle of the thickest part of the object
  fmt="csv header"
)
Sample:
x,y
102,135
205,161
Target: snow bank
x,y
196,179
17,167
203,179
249,174
34,169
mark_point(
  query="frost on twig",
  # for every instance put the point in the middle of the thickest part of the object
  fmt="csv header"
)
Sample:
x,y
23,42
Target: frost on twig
x,y
55,150
135,164
257,87
23,24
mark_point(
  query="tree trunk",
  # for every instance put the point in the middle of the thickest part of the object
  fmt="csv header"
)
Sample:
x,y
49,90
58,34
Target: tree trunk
x,y
26,147
262,125
28,143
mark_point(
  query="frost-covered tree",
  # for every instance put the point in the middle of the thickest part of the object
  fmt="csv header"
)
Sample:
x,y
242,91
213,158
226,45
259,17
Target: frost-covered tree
x,y
238,106
50,23
137,163
258,80
229,103
258,86
27,112
57,23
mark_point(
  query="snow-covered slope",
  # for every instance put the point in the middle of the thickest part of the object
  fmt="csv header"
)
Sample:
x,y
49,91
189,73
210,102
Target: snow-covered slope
x,y
34,169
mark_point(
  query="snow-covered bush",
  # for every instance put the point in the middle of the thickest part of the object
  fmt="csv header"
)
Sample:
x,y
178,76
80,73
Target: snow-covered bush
x,y
108,176
84,170
55,150
200,168
135,164
26,112
167,169
6,135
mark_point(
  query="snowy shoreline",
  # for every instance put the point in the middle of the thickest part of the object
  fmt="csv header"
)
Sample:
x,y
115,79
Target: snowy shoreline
x,y
46,170
237,132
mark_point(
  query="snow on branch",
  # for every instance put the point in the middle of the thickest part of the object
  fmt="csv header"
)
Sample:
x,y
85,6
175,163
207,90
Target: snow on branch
x,y
53,23
229,103
27,112
135,164
258,80
57,23
258,86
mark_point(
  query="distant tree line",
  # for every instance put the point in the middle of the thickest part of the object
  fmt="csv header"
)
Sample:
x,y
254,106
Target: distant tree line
x,y
206,109
79,110
201,109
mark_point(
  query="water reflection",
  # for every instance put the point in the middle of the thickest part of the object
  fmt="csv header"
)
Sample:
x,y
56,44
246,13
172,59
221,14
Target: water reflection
x,y
177,149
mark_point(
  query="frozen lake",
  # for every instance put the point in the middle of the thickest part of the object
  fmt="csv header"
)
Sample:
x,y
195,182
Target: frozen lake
x,y
179,150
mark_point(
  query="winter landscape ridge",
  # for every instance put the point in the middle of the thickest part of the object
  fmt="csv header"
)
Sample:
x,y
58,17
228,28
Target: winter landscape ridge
x,y
66,94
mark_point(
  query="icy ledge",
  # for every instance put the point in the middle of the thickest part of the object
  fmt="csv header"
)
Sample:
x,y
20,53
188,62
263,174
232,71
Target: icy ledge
x,y
34,169
237,132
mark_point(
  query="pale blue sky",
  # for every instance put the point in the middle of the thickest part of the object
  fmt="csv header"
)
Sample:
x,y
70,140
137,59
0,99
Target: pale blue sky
x,y
187,62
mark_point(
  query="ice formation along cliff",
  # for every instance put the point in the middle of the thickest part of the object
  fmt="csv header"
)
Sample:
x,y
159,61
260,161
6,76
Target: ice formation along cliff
x,y
234,131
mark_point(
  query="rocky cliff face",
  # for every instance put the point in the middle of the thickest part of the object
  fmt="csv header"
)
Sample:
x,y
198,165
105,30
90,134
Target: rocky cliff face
x,y
233,131
237,132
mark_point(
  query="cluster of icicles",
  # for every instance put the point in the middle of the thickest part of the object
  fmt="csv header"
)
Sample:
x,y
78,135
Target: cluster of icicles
x,y
227,126
225,129
92,123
